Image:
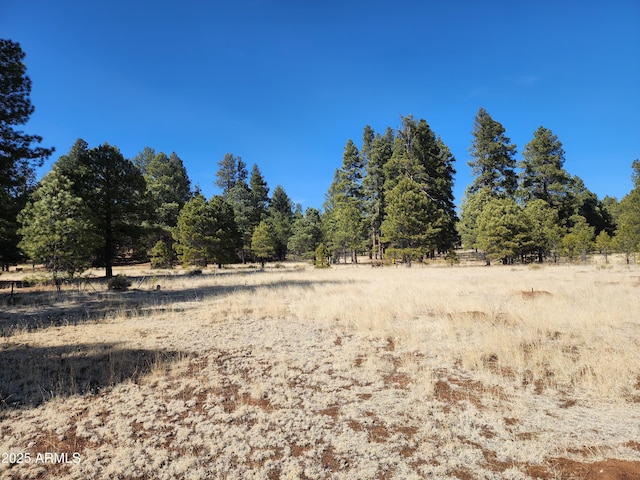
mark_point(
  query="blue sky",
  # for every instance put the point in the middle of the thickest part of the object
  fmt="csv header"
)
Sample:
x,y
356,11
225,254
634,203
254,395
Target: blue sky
x,y
285,84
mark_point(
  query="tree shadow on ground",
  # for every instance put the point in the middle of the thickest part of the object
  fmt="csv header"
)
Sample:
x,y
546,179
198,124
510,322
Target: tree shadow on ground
x,y
32,310
31,376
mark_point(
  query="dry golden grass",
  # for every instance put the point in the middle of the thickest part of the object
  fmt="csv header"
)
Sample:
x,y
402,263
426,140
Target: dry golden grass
x,y
349,372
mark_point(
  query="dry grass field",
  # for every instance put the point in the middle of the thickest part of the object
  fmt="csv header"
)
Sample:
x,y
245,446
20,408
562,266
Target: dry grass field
x,y
346,373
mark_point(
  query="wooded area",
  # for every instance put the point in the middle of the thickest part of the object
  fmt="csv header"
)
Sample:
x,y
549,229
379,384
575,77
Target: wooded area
x,y
391,198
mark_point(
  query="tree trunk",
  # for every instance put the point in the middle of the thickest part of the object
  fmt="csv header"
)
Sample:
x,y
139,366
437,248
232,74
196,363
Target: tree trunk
x,y
108,260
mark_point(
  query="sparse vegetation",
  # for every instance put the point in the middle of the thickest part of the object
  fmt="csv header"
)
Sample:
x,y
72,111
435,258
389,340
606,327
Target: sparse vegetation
x,y
429,372
119,282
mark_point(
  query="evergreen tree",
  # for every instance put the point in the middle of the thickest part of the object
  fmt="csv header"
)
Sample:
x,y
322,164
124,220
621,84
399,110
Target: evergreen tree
x,y
423,158
604,244
281,204
402,164
259,194
368,136
263,242
378,152
18,154
232,169
193,233
344,205
351,172
143,159
322,256
585,203
628,233
242,201
543,175
503,231
306,233
492,155
168,189
281,217
442,191
113,188
410,224
207,232
471,208
612,206
349,203
579,240
57,229
168,186
163,255
544,227
329,224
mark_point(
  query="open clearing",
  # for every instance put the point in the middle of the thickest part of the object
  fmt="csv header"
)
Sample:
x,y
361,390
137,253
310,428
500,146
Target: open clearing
x,y
345,373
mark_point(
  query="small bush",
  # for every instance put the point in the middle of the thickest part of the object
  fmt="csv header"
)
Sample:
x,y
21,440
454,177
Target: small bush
x,y
452,258
194,273
322,256
119,282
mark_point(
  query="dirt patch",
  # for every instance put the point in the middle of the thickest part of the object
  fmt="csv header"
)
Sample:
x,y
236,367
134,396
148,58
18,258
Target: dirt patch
x,y
633,445
397,380
463,474
457,390
377,433
355,425
526,294
573,470
567,402
330,412
329,460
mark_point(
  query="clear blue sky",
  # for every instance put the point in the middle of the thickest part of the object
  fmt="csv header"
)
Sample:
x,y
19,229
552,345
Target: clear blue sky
x,y
285,84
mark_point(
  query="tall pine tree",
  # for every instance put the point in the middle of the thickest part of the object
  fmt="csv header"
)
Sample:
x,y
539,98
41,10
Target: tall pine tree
x,y
493,162
231,170
19,154
114,190
346,205
424,159
543,175
378,153
281,218
259,195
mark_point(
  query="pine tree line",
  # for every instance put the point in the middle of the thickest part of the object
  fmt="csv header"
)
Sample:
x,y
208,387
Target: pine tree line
x,y
538,212
392,198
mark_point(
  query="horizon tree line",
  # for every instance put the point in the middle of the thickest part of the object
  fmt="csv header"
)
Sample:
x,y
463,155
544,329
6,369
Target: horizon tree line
x,y
392,197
